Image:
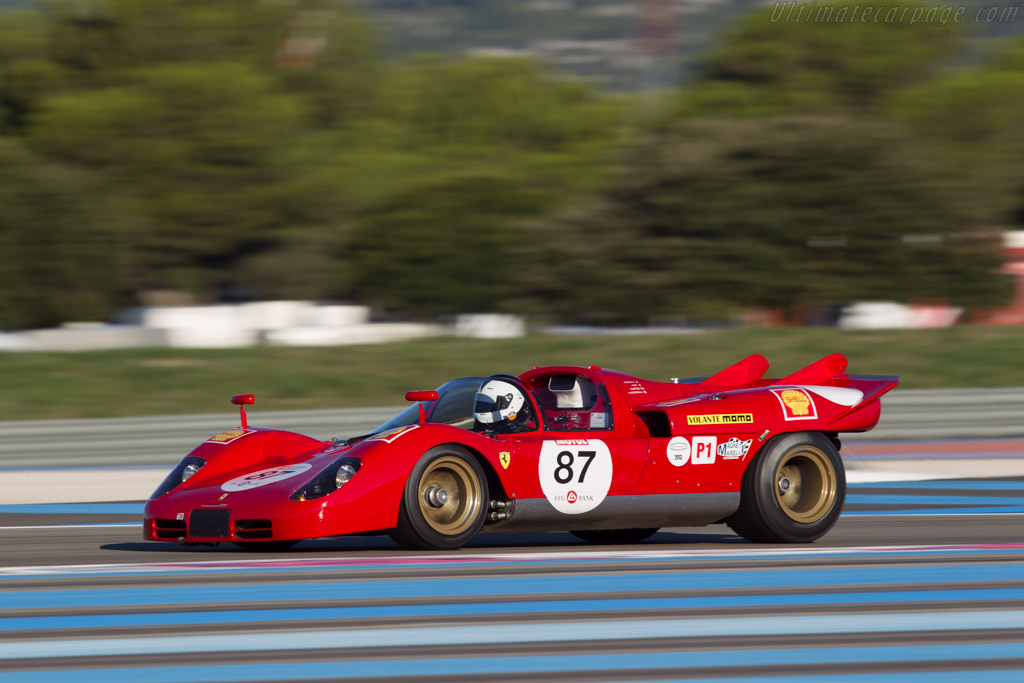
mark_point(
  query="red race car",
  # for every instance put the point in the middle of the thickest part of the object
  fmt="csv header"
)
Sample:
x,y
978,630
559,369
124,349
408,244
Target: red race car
x,y
609,457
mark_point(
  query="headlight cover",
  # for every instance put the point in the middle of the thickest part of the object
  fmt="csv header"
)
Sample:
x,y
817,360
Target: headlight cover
x,y
330,479
184,470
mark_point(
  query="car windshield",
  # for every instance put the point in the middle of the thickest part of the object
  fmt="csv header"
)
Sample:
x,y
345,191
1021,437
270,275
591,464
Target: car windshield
x,y
454,406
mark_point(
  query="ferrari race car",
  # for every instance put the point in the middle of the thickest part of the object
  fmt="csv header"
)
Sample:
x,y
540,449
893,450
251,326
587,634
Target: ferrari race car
x,y
609,457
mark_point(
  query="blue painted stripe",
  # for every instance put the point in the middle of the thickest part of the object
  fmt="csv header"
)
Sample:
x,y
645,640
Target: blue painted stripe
x,y
10,624
948,501
1010,510
486,634
945,484
74,509
516,585
480,666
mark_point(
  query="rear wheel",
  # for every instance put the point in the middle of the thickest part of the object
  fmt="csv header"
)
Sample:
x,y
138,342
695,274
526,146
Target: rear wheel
x,y
793,492
614,536
444,502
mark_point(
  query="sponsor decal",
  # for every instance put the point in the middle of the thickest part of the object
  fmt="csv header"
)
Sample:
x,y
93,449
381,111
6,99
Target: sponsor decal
x,y
704,449
634,388
180,516
734,448
797,404
270,475
505,458
223,496
734,418
230,435
598,420
678,451
392,434
575,474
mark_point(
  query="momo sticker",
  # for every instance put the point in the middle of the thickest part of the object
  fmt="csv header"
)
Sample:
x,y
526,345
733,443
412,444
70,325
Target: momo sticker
x,y
678,451
797,404
230,435
255,480
734,418
734,449
704,449
575,474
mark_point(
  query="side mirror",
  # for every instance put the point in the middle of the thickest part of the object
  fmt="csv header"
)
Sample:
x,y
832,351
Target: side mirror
x,y
243,400
421,396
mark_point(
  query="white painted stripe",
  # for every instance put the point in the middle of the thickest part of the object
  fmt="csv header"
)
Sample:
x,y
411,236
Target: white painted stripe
x,y
730,627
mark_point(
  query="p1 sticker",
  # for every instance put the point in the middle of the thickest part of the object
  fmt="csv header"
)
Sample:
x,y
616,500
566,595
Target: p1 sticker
x,y
797,404
230,435
678,451
255,480
575,474
704,450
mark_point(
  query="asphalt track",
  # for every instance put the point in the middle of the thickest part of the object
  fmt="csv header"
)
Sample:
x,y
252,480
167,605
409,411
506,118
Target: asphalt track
x,y
919,581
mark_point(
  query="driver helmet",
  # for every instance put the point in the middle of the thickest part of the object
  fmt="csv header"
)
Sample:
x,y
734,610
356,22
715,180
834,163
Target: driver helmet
x,y
498,401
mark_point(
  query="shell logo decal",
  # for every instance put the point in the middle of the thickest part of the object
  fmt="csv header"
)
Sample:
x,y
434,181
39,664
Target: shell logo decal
x,y
797,404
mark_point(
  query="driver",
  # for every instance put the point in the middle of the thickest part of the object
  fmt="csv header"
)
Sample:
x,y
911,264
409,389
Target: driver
x,y
502,407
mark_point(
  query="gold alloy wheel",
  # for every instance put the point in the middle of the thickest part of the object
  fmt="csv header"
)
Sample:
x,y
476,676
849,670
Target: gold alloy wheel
x,y
805,484
450,496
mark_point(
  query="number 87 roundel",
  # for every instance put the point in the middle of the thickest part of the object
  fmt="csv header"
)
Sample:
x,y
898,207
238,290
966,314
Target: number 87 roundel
x,y
575,476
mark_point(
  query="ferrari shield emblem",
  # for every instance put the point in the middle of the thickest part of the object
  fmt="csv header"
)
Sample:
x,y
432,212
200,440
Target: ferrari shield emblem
x,y
504,458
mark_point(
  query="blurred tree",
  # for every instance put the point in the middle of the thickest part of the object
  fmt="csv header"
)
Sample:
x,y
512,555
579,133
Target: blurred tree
x,y
971,118
783,212
59,244
806,57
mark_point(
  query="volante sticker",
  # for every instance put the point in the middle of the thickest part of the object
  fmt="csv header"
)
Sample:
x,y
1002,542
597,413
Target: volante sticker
x,y
575,474
678,451
392,434
263,477
797,404
733,449
735,418
230,435
704,450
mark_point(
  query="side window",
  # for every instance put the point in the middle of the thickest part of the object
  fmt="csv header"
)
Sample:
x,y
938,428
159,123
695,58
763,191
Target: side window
x,y
572,403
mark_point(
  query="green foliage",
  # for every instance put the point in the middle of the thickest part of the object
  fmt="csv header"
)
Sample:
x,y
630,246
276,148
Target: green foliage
x,y
60,257
772,63
818,211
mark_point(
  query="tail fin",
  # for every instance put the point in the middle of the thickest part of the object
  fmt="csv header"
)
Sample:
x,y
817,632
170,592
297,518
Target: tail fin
x,y
818,372
750,369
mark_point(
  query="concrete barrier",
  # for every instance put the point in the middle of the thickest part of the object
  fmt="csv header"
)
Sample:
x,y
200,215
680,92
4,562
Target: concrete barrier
x,y
906,415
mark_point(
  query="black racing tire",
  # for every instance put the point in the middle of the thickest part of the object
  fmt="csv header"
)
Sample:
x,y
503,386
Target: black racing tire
x,y
793,492
427,523
265,546
614,536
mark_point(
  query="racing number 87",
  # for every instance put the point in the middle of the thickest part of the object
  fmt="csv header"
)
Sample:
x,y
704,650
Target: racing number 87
x,y
566,459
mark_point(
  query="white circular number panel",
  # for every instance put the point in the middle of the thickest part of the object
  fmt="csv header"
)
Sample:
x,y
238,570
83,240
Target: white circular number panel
x,y
263,477
575,474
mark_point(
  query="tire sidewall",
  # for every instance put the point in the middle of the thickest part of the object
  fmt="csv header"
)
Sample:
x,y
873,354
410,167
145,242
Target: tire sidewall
x,y
770,513
418,531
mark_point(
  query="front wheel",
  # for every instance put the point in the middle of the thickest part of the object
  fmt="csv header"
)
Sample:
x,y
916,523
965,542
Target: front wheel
x,y
444,502
614,536
793,492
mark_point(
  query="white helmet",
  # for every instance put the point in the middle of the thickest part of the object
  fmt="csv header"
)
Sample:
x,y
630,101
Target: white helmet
x,y
497,401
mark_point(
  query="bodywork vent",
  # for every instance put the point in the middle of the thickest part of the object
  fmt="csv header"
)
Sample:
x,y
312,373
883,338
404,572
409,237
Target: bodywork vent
x,y
209,524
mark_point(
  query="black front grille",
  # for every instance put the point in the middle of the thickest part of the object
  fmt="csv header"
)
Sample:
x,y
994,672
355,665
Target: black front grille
x,y
169,528
253,528
209,523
